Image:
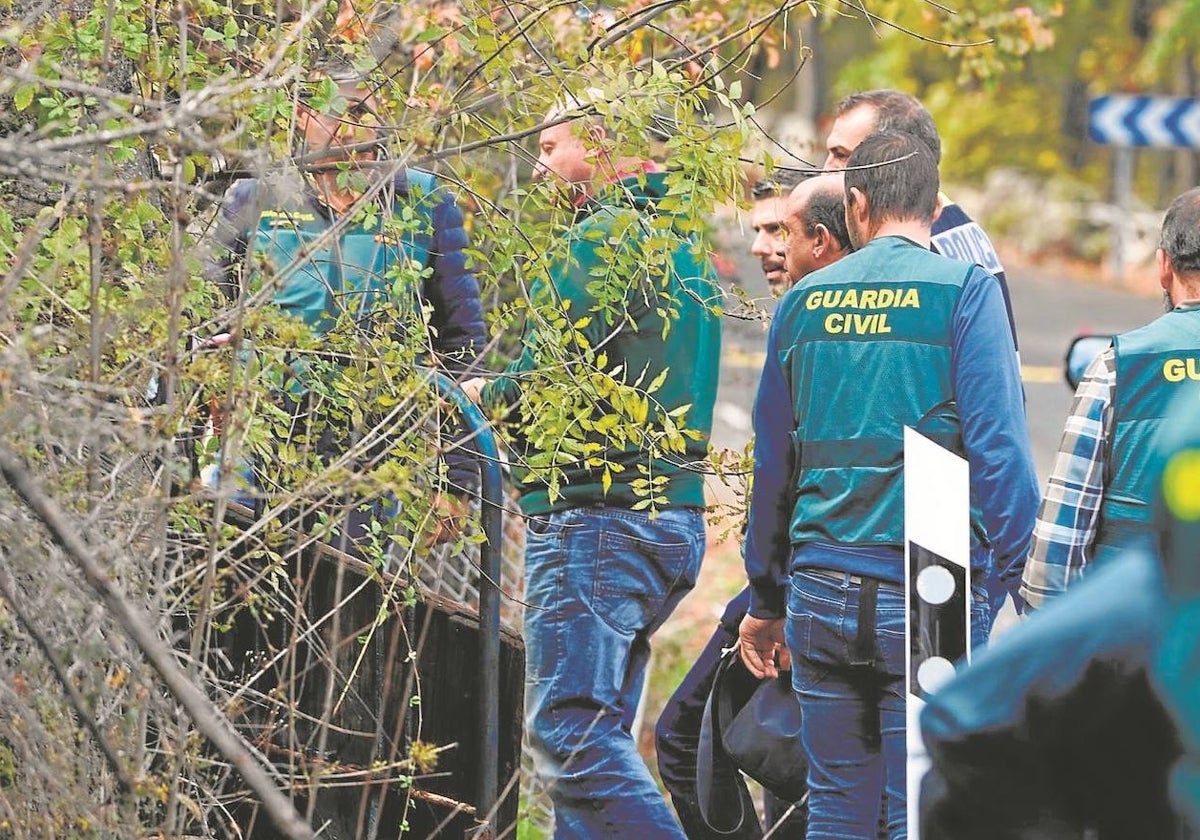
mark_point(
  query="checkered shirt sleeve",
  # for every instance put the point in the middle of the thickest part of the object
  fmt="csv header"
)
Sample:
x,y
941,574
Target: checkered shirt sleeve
x,y
1066,523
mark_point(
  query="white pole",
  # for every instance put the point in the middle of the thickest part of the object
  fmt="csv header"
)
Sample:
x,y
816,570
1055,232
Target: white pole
x,y
937,538
1123,193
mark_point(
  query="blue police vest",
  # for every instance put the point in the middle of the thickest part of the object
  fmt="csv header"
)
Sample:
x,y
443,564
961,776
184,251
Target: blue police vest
x,y
1153,363
323,267
871,354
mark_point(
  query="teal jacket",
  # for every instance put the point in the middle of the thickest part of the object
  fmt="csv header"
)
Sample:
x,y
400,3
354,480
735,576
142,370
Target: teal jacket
x,y
328,265
857,331
1153,364
833,401
281,220
661,326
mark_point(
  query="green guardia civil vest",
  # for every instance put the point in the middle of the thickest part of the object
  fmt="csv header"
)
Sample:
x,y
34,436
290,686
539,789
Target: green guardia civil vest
x,y
1154,363
871,354
322,273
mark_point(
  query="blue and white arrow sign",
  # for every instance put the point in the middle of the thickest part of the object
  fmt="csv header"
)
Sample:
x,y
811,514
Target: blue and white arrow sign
x,y
1160,121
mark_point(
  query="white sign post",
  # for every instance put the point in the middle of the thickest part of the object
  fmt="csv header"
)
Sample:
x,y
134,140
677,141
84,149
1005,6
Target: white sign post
x,y
937,591
1127,121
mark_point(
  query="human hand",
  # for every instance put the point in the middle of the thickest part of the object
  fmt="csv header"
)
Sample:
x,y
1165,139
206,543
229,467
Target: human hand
x,y
449,518
761,643
473,387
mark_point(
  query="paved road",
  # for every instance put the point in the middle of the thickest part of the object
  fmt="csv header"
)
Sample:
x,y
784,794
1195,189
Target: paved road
x,y
1050,310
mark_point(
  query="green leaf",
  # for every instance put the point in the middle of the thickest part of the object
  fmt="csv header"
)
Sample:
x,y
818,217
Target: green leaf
x,y
23,98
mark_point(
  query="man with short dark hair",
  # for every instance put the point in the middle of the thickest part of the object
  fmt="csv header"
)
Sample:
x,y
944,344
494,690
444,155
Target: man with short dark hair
x,y
766,218
814,209
953,234
891,336
1098,495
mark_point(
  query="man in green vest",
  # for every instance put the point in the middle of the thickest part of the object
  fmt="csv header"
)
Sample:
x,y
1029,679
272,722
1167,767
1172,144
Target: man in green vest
x,y
627,304
891,336
1098,495
340,239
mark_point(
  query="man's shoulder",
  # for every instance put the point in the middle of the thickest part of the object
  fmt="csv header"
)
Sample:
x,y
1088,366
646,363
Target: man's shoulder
x,y
956,235
1175,329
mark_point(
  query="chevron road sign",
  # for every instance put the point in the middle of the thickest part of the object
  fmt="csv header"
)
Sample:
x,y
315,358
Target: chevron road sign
x,y
1159,121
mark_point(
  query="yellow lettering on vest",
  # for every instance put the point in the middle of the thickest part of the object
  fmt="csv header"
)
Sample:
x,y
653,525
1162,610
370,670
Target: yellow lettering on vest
x,y
851,298
887,298
883,324
911,298
834,322
814,300
1193,368
863,324
1174,370
868,299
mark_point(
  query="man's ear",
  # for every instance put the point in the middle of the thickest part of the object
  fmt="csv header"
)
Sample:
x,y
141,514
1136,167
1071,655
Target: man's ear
x,y
858,206
1166,271
822,239
595,133
942,201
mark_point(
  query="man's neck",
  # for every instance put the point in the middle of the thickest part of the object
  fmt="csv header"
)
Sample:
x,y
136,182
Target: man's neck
x,y
913,229
626,168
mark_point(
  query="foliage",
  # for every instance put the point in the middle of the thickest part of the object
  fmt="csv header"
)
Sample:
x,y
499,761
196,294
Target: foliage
x,y
123,121
1031,116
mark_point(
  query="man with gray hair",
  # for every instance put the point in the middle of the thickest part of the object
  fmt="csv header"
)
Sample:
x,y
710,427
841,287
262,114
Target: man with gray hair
x,y
1097,498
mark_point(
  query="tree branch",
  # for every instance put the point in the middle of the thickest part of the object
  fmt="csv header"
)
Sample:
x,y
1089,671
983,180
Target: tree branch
x,y
208,721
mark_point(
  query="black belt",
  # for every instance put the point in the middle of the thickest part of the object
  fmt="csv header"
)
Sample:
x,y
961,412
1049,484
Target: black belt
x,y
864,651
857,580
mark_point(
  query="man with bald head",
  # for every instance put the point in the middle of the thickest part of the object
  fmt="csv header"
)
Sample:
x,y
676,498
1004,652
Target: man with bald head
x,y
795,233
814,226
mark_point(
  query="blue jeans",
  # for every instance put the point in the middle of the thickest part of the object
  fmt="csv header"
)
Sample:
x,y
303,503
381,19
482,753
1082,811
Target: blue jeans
x,y
598,582
854,715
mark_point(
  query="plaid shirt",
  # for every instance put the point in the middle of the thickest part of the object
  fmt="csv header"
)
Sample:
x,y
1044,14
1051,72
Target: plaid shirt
x,y
1066,523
